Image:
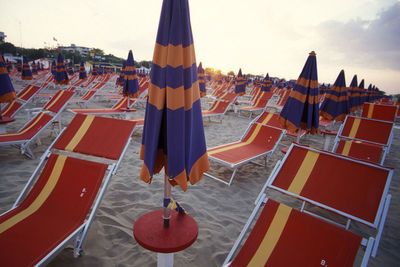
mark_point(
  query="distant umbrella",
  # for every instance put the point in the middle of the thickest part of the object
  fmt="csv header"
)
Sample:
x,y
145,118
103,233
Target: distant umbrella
x,y
131,84
7,92
121,79
70,70
336,103
61,76
53,68
361,95
301,110
34,68
202,82
322,89
353,94
266,84
240,86
26,70
82,71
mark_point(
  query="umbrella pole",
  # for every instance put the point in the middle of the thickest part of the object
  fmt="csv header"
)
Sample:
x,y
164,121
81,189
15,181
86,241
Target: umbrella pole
x,y
167,196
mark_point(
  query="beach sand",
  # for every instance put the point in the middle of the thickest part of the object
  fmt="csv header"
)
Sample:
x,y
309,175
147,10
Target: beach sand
x,y
220,211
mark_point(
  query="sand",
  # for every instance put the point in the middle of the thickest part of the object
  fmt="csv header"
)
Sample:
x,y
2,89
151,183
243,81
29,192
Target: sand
x,y
219,210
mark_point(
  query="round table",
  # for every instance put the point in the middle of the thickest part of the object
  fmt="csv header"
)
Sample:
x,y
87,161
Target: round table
x,y
150,233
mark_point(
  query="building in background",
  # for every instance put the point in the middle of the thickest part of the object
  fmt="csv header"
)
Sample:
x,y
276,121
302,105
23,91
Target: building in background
x,y
84,51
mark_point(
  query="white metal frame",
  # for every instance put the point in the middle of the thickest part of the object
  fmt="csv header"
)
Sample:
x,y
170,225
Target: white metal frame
x,y
235,166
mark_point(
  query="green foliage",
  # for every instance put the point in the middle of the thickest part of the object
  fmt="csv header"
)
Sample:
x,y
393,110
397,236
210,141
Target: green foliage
x,y
8,48
144,63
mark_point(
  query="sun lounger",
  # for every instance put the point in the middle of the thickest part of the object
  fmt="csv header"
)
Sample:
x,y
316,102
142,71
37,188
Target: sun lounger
x,y
119,109
281,102
259,104
23,97
360,150
66,192
283,236
257,142
376,132
352,189
36,125
272,119
379,111
218,109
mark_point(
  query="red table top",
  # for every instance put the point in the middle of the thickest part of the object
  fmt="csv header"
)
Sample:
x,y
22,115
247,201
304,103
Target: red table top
x,y
150,233
6,120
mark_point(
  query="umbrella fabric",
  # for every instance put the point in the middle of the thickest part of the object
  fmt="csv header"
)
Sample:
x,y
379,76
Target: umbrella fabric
x,y
7,92
61,76
53,68
301,110
8,66
173,133
82,71
26,71
240,87
353,94
266,84
121,79
70,70
34,68
368,97
202,82
94,70
19,69
361,96
131,84
336,103
322,89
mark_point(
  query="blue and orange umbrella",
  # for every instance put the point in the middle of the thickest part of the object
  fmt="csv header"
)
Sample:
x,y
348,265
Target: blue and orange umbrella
x,y
34,68
53,68
131,84
61,76
173,134
19,68
26,70
8,66
94,70
240,86
70,70
353,94
7,92
322,89
121,79
202,81
301,110
361,94
336,103
82,71
266,84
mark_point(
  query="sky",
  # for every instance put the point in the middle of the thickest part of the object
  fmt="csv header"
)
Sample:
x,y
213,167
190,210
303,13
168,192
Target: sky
x,y
259,36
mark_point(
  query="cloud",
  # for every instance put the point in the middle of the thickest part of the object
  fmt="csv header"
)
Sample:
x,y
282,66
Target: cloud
x,y
375,42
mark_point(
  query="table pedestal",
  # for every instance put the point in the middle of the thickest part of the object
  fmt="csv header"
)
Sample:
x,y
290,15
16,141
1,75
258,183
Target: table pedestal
x,y
150,233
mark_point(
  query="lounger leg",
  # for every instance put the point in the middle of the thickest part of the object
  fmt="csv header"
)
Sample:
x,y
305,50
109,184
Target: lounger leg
x,y
220,180
381,225
233,176
367,253
25,150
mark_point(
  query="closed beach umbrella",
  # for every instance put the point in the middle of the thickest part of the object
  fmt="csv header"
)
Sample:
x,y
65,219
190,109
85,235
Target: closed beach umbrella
x,y
322,89
7,92
368,94
336,103
121,79
82,71
8,66
34,68
53,68
131,84
26,70
70,70
240,86
202,81
94,70
353,94
61,76
301,110
173,134
361,94
266,84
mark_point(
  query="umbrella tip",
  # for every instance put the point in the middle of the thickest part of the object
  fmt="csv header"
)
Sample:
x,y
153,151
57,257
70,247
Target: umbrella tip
x,y
312,53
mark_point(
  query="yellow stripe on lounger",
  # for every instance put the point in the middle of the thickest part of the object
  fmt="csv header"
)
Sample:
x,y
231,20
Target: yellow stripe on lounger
x,y
346,148
268,118
40,199
80,133
251,139
370,110
354,127
304,172
272,236
26,91
26,129
120,103
55,100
